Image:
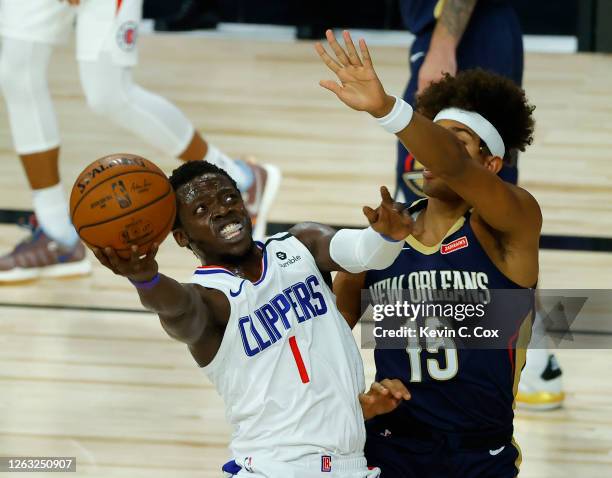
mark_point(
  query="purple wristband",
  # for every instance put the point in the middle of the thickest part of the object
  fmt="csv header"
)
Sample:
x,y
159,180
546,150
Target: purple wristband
x,y
147,284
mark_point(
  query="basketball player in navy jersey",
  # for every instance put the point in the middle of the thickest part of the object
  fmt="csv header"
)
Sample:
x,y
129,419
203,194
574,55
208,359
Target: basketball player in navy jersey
x,y
262,324
459,422
453,36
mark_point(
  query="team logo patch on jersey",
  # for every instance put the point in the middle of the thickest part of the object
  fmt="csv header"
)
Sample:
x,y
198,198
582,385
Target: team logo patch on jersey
x,y
127,35
248,464
326,464
456,245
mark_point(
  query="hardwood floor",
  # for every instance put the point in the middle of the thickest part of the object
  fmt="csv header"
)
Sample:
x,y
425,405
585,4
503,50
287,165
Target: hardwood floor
x,y
109,387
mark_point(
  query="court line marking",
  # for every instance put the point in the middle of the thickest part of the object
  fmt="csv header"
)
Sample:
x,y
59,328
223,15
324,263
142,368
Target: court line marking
x,y
547,241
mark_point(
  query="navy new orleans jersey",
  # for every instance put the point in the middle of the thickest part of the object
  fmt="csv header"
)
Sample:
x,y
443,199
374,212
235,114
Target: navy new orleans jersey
x,y
462,397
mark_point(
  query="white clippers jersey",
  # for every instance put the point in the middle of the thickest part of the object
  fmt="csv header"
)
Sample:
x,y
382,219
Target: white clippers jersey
x,y
288,367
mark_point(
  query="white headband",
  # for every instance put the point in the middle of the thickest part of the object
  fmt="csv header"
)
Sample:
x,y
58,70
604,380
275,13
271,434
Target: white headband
x,y
479,124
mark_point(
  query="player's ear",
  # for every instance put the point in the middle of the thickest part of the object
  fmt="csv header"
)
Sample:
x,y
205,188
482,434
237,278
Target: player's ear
x,y
180,237
493,163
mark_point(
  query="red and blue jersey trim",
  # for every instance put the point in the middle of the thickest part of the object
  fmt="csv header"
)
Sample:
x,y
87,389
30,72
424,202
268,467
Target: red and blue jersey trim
x,y
212,269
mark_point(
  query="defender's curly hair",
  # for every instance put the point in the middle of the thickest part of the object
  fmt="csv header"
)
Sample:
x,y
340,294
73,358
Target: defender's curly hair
x,y
190,170
498,99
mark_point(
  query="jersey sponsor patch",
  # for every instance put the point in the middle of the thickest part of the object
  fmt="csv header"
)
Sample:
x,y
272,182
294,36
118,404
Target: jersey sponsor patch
x,y
454,246
127,33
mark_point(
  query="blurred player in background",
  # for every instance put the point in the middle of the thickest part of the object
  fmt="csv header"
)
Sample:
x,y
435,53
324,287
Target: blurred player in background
x,y
456,35
459,421
190,15
106,37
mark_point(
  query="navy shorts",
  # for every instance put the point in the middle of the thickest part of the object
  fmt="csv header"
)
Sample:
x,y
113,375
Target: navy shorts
x,y
493,41
437,456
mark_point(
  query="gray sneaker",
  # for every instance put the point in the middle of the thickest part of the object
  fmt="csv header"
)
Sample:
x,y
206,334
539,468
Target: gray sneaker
x,y
38,256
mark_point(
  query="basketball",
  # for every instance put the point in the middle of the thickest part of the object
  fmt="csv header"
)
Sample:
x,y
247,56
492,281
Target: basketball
x,y
122,200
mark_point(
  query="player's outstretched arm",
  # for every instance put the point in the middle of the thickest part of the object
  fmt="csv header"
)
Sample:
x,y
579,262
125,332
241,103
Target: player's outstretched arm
x,y
183,309
502,206
383,397
358,250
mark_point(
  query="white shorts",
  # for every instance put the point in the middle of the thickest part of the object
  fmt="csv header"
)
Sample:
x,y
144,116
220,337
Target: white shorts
x,y
323,466
102,26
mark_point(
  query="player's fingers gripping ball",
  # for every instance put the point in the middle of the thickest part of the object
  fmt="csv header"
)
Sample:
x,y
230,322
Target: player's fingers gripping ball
x,y
120,201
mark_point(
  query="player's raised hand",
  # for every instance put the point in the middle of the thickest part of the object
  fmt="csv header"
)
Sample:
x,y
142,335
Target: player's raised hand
x,y
72,2
138,268
383,397
359,85
391,219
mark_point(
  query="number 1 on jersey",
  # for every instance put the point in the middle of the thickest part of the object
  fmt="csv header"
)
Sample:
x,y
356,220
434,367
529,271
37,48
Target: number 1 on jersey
x,y
297,355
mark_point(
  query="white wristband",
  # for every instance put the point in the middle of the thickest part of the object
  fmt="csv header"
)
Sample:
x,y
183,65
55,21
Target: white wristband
x,y
398,118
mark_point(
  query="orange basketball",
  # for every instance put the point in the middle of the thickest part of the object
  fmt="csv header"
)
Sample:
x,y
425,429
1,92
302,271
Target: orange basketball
x,y
121,200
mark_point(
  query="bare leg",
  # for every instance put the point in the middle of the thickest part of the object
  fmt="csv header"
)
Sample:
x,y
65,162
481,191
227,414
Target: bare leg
x,y
196,150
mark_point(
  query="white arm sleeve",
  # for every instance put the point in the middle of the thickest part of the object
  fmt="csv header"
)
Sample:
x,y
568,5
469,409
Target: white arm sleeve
x,y
359,250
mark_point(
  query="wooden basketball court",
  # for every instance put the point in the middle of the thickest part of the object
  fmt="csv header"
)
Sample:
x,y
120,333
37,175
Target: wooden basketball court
x,y
85,372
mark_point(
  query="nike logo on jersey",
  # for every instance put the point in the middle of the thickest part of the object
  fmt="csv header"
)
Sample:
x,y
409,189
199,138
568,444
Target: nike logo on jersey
x,y
416,56
496,452
266,325
237,293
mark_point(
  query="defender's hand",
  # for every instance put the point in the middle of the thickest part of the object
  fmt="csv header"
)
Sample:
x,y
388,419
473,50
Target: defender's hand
x,y
137,268
390,219
72,2
360,87
383,397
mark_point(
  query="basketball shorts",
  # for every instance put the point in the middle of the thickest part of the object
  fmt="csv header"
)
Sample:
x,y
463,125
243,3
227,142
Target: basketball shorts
x,y
437,456
328,466
102,26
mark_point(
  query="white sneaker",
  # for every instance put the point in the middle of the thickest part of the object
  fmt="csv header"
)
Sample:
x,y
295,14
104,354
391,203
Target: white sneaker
x,y
541,390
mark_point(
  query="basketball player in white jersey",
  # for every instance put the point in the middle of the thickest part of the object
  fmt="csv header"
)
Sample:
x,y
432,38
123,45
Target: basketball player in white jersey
x,y
106,37
261,322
